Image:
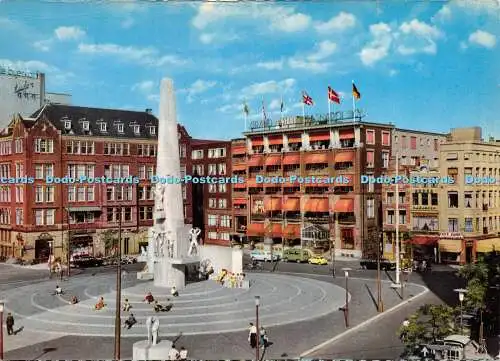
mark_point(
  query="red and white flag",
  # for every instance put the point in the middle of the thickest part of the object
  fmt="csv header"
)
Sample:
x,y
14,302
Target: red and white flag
x,y
333,96
306,99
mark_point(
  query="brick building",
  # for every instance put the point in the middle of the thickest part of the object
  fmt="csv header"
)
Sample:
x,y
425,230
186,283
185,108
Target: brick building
x,y
314,215
59,140
210,158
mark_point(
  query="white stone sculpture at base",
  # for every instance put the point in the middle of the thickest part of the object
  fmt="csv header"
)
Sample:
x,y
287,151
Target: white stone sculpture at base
x,y
144,253
159,196
149,326
155,330
142,350
193,247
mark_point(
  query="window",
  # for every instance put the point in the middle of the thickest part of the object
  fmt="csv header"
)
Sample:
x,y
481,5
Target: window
x,y
19,194
222,168
468,225
225,221
39,194
19,216
415,199
212,169
212,219
413,143
152,130
385,159
222,188
85,126
222,203
386,138
18,145
402,217
120,128
212,235
90,194
49,216
390,197
212,188
390,217
434,199
183,171
81,194
425,199
452,200
370,208
151,170
110,193
39,217
404,142
137,129
197,154
452,224
371,187
44,145
182,150
212,203
38,171
103,127
217,153
142,172
452,156
468,199
402,196
71,193
49,193
198,169
370,157
370,136
184,192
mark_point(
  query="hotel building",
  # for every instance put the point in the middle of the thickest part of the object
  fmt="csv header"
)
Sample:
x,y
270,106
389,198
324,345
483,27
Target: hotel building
x,y
311,214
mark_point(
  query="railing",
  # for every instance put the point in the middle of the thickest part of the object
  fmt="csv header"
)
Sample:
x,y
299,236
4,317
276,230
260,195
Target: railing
x,y
422,230
258,217
346,219
321,171
289,173
274,173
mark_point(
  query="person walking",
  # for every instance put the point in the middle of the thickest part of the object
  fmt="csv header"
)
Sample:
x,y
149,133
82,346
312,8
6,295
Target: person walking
x,y
183,354
252,335
173,354
130,322
263,337
9,322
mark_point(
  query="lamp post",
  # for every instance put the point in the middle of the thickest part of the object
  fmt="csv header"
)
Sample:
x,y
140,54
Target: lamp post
x,y
2,303
346,308
380,303
118,289
461,295
257,348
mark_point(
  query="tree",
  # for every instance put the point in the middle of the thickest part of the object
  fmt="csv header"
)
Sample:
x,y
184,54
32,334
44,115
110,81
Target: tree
x,y
110,240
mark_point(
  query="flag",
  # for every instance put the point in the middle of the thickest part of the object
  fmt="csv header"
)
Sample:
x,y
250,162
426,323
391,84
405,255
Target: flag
x,y
246,110
333,96
264,110
306,99
282,106
355,93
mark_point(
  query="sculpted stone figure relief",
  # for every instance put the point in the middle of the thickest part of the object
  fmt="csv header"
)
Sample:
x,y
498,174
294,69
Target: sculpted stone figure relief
x,y
153,327
159,196
193,247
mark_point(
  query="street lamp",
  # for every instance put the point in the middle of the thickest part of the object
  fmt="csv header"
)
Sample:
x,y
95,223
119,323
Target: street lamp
x,y
257,348
2,303
346,308
461,295
118,289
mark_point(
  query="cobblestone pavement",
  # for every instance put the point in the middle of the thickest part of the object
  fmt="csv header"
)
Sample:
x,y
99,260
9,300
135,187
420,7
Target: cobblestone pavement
x,y
288,340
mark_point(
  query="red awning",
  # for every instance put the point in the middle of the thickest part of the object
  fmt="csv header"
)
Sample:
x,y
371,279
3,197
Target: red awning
x,y
317,137
290,159
240,185
275,139
255,229
239,150
272,204
292,231
273,160
317,205
257,141
276,230
239,167
344,206
346,134
256,161
253,183
424,240
295,138
239,201
344,157
318,158
292,205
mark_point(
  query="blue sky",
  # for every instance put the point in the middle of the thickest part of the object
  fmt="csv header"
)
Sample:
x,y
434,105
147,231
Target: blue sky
x,y
424,65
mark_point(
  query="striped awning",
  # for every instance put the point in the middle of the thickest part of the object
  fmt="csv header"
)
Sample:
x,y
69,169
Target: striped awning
x,y
488,245
450,245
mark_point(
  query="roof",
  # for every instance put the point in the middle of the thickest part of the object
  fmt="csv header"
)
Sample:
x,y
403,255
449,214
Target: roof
x,y
59,114
195,142
464,340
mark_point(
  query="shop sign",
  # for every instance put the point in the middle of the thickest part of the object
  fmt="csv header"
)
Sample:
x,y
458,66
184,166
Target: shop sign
x,y
451,235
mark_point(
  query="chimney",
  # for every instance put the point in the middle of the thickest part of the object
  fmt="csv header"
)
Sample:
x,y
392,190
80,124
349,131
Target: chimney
x,y
149,111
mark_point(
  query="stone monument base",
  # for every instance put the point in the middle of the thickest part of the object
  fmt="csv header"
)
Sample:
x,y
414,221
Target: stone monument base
x,y
145,276
143,350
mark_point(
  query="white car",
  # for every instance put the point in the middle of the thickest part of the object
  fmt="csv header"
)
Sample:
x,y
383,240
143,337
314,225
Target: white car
x,y
263,256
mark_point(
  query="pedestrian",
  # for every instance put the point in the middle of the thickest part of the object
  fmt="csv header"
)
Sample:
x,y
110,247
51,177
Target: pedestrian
x,y
174,292
149,298
130,321
252,335
173,354
10,324
126,305
263,337
183,354
58,291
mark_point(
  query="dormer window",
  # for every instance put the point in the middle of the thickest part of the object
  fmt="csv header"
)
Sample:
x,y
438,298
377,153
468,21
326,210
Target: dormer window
x,y
152,130
120,128
67,124
86,125
103,127
137,129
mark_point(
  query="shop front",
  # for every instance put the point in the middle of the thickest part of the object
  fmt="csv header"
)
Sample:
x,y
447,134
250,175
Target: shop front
x,y
484,246
451,248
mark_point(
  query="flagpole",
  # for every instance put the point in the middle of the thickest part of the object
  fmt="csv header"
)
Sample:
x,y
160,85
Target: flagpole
x,y
329,112
246,119
303,110
353,103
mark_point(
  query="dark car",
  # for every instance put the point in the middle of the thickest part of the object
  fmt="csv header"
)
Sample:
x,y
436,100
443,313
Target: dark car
x,y
385,264
86,262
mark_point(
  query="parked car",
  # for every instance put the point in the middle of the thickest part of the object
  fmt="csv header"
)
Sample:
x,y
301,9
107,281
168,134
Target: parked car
x,y
385,264
86,261
263,256
319,260
296,255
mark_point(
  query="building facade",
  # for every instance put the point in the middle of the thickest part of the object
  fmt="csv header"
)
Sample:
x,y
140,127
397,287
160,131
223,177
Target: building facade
x,y
210,158
335,210
43,211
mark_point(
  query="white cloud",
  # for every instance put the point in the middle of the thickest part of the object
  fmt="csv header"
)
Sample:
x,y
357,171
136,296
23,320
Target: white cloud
x,y
491,7
275,104
341,22
418,37
271,65
144,87
128,23
230,108
212,38
64,33
146,56
198,87
30,65
483,38
278,17
315,62
379,47
268,87
43,45
463,45
393,72
444,14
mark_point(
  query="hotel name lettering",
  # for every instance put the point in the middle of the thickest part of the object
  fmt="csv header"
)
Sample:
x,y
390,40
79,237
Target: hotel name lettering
x,y
8,71
292,122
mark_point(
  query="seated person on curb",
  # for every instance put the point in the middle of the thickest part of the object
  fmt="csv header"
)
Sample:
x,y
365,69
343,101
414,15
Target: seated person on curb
x,y
149,298
126,305
158,307
100,304
58,291
130,321
174,292
74,300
